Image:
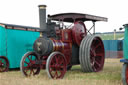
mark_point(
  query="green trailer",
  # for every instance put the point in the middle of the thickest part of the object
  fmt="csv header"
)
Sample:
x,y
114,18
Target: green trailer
x,y
125,57
15,41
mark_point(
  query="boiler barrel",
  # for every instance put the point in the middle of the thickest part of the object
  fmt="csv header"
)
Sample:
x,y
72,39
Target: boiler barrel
x,y
45,46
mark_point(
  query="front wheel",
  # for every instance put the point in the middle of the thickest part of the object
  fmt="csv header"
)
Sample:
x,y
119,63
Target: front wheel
x,y
125,74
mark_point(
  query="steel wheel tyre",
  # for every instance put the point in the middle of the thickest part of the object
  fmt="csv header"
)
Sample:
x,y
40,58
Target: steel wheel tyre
x,y
56,65
4,64
125,74
28,64
91,54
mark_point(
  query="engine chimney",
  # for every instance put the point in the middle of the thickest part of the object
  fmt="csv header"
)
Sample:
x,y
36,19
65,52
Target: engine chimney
x,y
42,17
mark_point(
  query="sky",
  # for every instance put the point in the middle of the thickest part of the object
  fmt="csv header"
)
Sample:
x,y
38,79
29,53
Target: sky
x,y
26,12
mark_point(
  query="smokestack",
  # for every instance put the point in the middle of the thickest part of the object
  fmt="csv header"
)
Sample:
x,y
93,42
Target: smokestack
x,y
42,17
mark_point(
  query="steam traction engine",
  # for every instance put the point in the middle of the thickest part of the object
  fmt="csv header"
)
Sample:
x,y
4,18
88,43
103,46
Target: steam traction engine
x,y
59,47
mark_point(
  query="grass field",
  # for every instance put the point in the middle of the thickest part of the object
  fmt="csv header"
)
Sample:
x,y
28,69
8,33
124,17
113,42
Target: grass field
x,y
111,75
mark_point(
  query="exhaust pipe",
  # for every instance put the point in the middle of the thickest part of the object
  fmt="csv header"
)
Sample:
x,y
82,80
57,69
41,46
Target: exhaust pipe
x,y
42,17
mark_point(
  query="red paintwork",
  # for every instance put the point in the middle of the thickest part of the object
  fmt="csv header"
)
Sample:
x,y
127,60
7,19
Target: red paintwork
x,y
67,38
78,32
64,45
66,35
64,48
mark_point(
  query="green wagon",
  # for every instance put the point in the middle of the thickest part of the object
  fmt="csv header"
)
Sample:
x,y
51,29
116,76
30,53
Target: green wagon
x,y
15,41
125,60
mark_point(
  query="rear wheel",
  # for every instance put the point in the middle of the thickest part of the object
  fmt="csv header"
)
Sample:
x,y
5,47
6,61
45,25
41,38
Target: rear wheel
x,y
28,64
91,54
4,64
125,74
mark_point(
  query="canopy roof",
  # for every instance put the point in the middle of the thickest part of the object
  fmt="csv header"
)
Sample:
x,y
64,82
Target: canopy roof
x,y
71,17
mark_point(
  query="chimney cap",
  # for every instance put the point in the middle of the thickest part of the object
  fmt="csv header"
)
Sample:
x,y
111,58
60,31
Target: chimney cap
x,y
42,6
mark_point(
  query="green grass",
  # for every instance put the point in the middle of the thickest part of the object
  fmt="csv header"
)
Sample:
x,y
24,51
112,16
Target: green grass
x,y
111,72
111,75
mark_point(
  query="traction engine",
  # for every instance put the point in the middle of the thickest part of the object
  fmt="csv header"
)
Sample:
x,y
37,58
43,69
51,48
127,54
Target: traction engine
x,y
59,47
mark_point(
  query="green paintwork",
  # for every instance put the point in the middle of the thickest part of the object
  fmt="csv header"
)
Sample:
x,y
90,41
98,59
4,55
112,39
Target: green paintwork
x,y
15,43
125,44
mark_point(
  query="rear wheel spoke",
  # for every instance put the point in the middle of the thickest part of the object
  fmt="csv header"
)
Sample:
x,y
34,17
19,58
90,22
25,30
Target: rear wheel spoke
x,y
99,44
97,63
94,68
99,55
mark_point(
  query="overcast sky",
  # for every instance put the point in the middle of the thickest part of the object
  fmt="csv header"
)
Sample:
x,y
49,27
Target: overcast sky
x,y
25,12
